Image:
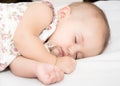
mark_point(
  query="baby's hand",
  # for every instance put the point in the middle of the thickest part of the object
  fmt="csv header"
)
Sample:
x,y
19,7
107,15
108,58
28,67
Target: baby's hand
x,y
49,74
66,63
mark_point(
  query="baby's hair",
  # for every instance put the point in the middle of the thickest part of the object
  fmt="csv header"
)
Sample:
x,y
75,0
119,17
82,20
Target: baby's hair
x,y
76,6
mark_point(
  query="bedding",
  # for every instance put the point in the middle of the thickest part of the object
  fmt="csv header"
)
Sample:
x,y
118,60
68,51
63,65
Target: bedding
x,y
101,70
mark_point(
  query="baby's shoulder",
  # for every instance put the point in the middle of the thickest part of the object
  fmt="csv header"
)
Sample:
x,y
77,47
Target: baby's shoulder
x,y
41,9
43,5
37,16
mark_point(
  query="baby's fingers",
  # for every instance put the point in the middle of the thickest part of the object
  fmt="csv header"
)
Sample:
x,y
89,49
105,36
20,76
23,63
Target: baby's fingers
x,y
59,74
56,75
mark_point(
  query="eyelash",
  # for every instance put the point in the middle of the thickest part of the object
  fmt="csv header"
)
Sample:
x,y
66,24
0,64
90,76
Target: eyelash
x,y
75,43
76,56
75,40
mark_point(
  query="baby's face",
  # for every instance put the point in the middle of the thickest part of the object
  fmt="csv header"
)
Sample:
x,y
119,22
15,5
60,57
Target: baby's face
x,y
77,39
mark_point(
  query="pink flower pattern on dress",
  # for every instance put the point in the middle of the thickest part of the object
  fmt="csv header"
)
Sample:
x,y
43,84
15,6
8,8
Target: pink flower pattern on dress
x,y
10,15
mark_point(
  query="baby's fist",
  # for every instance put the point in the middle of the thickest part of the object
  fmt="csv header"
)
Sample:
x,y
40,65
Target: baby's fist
x,y
66,63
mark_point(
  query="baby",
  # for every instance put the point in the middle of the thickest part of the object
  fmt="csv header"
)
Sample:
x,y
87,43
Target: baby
x,y
45,45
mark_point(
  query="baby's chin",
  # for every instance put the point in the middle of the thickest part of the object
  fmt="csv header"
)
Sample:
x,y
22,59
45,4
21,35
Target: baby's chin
x,y
55,50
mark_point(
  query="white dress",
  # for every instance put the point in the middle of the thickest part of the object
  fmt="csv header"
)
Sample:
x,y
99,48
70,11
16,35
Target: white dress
x,y
10,15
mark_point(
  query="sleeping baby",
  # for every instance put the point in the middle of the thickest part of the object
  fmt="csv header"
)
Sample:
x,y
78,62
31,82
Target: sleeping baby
x,y
36,41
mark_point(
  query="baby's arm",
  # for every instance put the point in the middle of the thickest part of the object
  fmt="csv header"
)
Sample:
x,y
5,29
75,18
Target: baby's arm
x,y
46,73
26,38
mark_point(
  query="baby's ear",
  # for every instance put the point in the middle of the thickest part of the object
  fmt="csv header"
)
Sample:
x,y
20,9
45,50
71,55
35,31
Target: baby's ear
x,y
64,12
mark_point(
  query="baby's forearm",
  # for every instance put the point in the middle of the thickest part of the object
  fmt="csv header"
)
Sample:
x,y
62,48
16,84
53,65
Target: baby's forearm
x,y
23,67
31,47
46,73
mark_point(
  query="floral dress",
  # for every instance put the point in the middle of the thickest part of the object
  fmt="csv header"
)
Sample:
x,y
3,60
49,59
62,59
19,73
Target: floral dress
x,y
10,15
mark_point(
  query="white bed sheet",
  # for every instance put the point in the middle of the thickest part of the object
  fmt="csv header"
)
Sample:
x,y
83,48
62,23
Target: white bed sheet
x,y
102,70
